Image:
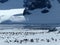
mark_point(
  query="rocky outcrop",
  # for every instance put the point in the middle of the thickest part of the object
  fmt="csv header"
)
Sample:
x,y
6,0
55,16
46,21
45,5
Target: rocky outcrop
x,y
3,1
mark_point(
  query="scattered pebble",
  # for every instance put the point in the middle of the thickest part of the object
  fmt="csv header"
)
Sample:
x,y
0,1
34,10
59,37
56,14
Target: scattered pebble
x,y
55,39
48,40
31,40
42,39
45,11
52,38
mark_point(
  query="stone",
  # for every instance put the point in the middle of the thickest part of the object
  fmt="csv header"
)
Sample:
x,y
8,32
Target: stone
x,y
3,1
45,11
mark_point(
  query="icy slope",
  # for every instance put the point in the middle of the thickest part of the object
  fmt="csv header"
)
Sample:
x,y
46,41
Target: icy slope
x,y
7,14
36,17
11,8
52,16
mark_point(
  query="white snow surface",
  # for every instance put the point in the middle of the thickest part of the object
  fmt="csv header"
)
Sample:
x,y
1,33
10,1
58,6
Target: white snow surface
x,y
40,37
11,8
7,14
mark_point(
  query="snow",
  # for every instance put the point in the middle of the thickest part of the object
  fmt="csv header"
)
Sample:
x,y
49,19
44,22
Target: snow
x,y
36,16
9,9
20,18
40,37
6,14
51,17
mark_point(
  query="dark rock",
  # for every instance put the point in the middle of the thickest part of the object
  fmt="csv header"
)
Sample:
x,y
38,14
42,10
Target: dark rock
x,y
25,39
52,30
3,1
48,40
31,7
21,41
58,1
37,39
52,38
26,12
59,39
55,39
42,39
31,40
16,40
58,32
10,40
34,4
45,11
49,6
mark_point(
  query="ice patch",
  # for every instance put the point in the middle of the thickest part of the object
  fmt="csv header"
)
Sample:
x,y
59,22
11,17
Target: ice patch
x,y
6,14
